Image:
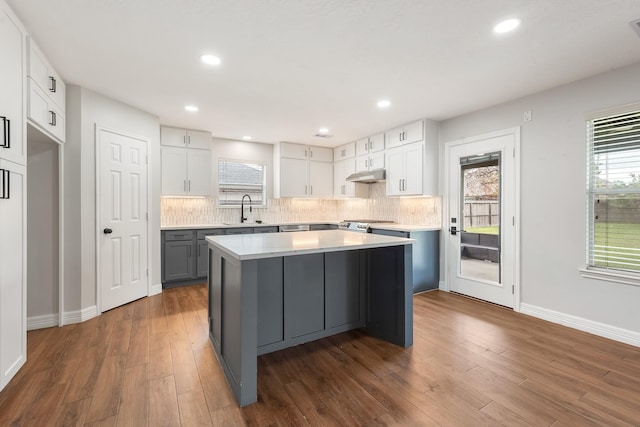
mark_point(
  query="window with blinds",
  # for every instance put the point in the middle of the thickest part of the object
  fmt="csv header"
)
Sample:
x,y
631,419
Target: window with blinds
x,y
237,178
614,192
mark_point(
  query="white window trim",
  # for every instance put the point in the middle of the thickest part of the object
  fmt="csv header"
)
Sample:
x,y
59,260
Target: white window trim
x,y
588,272
609,276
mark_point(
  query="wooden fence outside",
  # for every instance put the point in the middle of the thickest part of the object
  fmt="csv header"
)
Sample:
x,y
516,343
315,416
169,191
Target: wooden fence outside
x,y
481,213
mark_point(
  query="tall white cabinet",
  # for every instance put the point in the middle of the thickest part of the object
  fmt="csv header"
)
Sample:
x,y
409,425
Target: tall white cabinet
x,y
186,171
13,187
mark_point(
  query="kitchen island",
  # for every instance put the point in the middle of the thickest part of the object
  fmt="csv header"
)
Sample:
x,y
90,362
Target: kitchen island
x,y
268,292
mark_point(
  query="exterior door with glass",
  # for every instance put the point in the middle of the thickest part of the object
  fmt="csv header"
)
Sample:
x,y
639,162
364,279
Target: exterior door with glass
x,y
481,239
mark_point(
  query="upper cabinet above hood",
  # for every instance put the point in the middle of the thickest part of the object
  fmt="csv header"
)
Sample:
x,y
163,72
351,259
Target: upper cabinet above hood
x,y
368,177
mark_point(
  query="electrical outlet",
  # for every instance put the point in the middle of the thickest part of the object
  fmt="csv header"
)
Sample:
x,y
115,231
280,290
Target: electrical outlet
x,y
527,116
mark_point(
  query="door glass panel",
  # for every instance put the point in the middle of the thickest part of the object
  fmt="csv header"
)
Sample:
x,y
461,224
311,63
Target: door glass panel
x,y
480,213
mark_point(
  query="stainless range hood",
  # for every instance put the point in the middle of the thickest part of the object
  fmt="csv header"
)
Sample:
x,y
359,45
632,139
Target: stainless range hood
x,y
368,177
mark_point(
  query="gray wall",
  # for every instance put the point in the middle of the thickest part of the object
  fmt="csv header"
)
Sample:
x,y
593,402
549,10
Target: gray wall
x,y
553,193
42,224
85,110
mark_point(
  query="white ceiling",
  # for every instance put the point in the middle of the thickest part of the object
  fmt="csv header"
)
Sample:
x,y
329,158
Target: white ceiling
x,y
292,66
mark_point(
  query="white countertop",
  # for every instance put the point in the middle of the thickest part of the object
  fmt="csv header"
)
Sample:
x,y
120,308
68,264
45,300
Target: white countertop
x,y
382,226
257,246
402,227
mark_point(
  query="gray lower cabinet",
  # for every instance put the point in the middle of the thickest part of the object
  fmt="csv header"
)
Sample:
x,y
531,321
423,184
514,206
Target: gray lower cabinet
x,y
185,252
178,260
426,256
177,255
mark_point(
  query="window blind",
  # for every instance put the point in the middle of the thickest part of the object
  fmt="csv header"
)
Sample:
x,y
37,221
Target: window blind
x,y
614,192
237,178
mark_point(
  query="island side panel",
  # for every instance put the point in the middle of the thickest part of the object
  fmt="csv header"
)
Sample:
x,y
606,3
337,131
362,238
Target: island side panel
x,y
238,325
390,294
270,302
215,299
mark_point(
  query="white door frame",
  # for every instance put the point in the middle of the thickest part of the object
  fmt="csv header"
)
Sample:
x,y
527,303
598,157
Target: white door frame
x,y
515,132
98,235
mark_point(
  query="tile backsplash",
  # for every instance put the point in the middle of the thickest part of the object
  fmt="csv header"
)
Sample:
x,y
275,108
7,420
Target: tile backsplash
x,y
410,211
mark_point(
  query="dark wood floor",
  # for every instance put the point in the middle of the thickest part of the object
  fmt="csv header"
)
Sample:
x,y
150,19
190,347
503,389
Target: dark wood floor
x,y
472,364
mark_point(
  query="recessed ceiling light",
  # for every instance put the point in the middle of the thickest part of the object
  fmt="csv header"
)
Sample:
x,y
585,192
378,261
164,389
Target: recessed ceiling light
x,y
210,59
246,137
191,108
506,26
323,130
383,103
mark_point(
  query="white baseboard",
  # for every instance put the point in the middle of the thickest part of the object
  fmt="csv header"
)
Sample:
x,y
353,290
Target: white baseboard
x,y
442,285
41,322
596,328
155,289
79,316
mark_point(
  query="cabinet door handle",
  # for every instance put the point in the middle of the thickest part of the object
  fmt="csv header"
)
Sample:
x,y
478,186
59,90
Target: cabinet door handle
x,y
184,185
310,154
189,187
184,139
305,190
370,163
6,185
399,185
370,145
311,190
6,132
53,85
305,153
52,118
366,163
189,140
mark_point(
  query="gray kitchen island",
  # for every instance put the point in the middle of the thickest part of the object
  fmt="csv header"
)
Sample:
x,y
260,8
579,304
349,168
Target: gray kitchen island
x,y
268,292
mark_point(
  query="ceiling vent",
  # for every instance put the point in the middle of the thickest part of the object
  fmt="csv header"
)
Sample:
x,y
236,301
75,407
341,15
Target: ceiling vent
x,y
323,135
636,26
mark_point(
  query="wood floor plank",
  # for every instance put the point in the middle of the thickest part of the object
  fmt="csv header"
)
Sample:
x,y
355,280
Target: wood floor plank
x,y
193,409
160,362
84,380
134,399
472,363
163,404
108,389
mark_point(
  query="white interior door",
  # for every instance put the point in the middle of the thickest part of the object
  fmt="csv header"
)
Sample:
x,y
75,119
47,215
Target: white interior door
x,y
481,197
122,222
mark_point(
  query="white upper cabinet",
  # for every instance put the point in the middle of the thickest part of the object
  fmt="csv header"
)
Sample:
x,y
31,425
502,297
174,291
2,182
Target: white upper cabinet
x,y
413,132
370,153
45,77
178,137
345,151
46,106
404,170
303,170
186,172
372,144
12,75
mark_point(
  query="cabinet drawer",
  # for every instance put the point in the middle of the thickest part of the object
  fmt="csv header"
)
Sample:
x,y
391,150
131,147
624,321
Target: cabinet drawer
x,y
175,235
243,230
45,113
201,234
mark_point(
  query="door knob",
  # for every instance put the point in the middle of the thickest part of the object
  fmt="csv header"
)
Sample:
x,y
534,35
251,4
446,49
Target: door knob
x,y
107,231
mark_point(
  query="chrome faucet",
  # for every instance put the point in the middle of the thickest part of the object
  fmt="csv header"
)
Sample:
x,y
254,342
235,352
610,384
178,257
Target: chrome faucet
x,y
242,217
